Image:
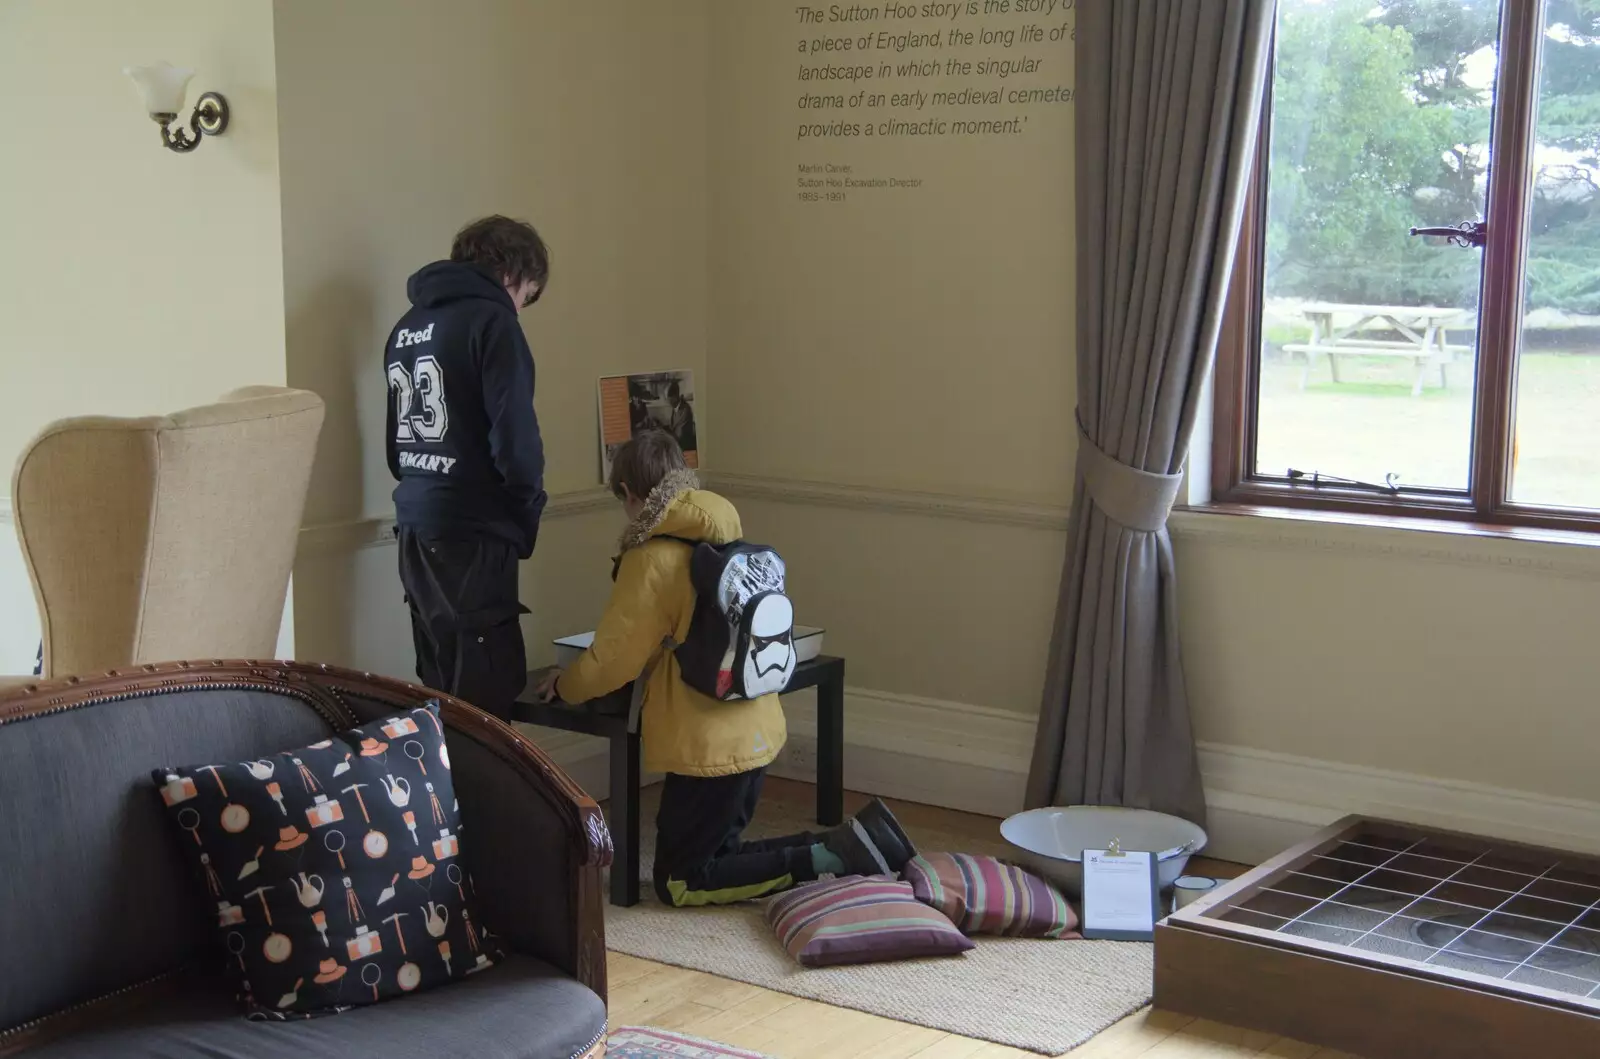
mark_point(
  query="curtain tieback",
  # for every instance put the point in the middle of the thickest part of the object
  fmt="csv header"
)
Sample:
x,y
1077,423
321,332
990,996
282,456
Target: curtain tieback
x,y
1139,500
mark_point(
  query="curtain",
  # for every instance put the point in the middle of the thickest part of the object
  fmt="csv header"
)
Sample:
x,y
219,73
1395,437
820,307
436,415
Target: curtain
x,y
1168,109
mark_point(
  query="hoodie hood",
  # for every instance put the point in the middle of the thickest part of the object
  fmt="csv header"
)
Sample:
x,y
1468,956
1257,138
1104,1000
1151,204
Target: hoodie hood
x,y
678,507
450,281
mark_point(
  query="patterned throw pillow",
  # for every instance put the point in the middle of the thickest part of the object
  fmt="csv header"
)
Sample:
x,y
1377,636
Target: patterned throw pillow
x,y
982,895
860,919
335,870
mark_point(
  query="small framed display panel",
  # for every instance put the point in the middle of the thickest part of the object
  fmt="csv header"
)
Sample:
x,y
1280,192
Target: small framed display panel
x,y
1395,941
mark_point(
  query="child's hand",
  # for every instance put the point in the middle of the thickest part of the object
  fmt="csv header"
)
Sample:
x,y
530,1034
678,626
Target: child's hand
x,y
544,690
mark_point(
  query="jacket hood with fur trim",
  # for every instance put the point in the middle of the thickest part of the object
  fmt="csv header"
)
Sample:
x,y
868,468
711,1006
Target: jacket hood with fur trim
x,y
678,507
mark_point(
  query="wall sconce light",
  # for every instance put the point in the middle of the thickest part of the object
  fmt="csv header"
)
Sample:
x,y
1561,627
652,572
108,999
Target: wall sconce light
x,y
163,87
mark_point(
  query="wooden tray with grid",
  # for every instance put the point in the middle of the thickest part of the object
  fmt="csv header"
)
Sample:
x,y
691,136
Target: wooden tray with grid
x,y
1392,940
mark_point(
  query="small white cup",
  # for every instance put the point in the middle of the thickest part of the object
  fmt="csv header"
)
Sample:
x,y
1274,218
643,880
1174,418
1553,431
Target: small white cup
x,y
1189,889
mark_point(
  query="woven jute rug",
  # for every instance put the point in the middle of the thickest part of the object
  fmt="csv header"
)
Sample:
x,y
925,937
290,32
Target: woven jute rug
x,y
1041,996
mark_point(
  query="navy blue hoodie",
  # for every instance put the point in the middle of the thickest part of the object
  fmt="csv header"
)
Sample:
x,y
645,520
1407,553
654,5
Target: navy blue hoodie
x,y
462,439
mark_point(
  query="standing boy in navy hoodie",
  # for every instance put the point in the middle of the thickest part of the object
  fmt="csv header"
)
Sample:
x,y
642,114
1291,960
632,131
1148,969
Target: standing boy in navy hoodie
x,y
463,442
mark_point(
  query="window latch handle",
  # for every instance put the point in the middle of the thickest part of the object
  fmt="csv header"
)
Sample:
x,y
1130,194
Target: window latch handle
x,y
1466,234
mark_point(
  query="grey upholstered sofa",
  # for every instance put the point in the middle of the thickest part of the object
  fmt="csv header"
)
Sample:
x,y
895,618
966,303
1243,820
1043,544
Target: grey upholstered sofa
x,y
104,951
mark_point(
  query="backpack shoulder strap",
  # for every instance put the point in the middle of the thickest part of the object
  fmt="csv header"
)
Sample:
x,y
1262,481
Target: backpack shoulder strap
x,y
616,560
640,683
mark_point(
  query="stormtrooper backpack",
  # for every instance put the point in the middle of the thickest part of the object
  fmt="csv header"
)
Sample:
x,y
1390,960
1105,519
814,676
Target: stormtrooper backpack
x,y
740,643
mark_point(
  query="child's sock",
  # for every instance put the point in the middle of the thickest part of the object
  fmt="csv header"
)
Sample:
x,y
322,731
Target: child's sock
x,y
825,861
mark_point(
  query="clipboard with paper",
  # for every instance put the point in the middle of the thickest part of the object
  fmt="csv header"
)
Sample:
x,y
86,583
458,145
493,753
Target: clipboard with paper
x,y
1121,894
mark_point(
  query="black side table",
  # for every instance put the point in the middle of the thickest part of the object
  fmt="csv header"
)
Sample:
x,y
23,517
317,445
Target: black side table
x,y
608,717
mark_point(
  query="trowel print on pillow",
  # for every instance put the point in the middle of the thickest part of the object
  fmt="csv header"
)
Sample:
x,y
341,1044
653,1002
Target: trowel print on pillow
x,y
334,871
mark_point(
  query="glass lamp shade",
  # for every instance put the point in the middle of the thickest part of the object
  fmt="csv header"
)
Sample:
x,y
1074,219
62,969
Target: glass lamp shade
x,y
162,86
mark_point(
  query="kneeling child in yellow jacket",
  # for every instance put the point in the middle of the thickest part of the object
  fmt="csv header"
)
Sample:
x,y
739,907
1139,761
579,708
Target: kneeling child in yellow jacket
x,y
714,753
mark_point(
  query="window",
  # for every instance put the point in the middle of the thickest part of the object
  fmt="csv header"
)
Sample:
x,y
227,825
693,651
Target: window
x,y
1414,323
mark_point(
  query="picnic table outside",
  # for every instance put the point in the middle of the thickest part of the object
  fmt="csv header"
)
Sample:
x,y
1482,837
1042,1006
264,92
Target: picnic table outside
x,y
1347,331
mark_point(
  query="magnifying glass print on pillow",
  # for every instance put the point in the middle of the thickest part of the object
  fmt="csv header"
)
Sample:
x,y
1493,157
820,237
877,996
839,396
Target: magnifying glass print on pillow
x,y
189,820
336,848
372,981
414,750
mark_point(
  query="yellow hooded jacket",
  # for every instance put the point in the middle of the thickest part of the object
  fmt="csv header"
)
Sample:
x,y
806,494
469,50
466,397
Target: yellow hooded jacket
x,y
683,731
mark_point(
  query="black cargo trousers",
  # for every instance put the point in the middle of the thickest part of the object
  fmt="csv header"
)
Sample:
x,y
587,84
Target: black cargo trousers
x,y
462,591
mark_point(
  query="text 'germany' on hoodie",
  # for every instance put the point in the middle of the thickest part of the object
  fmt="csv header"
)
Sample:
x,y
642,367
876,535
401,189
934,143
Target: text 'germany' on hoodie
x,y
463,439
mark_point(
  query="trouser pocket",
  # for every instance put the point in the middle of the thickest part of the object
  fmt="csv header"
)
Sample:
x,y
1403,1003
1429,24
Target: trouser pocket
x,y
462,592
491,666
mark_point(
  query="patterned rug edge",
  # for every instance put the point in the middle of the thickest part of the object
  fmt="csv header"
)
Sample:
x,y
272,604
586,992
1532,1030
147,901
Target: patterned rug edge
x,y
646,1042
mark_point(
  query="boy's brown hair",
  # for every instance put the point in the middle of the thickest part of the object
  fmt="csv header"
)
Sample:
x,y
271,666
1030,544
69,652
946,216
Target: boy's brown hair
x,y
643,462
511,249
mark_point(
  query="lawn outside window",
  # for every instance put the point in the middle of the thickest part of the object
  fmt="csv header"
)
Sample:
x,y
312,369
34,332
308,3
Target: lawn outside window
x,y
1366,370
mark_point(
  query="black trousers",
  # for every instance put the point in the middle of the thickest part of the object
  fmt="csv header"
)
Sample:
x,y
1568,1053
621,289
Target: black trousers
x,y
700,857
462,591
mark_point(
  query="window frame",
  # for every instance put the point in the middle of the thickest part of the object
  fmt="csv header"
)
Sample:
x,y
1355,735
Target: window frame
x,y
1487,503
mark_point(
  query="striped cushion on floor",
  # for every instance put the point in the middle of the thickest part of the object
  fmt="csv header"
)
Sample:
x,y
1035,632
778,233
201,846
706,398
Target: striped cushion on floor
x,y
860,920
982,895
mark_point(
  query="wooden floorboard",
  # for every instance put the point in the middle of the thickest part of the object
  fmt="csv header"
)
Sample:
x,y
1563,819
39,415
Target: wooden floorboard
x,y
787,1027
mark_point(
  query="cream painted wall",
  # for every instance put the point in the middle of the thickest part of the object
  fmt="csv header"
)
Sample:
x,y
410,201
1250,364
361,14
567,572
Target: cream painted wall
x,y
903,339
933,607
909,338
132,280
1414,652
19,618
402,121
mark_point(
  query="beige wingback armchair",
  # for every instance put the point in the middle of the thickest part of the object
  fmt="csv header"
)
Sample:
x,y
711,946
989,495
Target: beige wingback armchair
x,y
166,537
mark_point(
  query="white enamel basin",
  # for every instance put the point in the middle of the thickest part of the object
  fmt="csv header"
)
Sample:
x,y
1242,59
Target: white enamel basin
x,y
1051,841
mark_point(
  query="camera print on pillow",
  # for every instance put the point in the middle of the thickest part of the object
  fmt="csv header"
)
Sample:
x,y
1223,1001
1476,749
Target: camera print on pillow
x,y
334,871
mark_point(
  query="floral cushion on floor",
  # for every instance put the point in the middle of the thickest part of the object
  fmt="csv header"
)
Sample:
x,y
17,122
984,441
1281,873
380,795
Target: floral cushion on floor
x,y
983,895
333,872
860,919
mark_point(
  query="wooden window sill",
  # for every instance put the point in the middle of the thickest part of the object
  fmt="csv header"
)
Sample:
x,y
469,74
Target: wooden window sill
x,y
1559,553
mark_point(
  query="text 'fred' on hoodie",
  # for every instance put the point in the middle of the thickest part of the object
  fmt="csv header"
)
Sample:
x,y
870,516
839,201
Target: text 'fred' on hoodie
x,y
463,439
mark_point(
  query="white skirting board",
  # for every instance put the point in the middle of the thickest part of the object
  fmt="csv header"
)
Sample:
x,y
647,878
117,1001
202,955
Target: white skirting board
x,y
975,759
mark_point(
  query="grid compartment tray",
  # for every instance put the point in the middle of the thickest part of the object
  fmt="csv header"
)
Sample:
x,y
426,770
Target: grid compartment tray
x,y
1389,939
